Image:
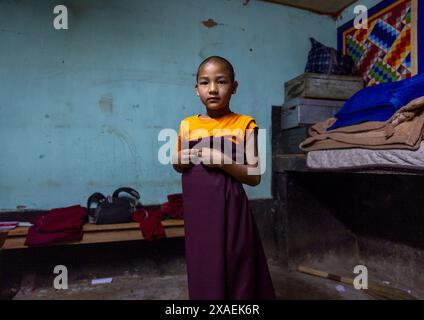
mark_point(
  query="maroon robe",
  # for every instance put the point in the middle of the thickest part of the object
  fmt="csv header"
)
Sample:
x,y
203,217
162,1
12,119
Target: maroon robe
x,y
224,254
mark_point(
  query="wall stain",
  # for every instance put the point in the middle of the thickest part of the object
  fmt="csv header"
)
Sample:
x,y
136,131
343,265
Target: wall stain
x,y
11,31
62,125
210,23
51,183
41,156
91,183
246,2
106,104
47,116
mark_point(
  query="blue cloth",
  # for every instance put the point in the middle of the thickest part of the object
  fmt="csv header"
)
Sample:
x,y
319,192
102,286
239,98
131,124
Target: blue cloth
x,y
380,102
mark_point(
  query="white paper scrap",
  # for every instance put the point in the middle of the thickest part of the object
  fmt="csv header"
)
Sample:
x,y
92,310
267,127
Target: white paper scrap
x,y
340,288
101,281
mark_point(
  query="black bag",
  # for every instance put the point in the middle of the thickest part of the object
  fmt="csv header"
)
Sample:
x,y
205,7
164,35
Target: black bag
x,y
323,59
112,209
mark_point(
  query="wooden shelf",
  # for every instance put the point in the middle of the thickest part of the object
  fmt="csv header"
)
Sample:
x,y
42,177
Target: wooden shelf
x,y
99,233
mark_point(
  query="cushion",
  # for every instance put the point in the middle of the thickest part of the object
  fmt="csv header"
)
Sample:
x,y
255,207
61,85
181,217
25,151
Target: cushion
x,y
380,102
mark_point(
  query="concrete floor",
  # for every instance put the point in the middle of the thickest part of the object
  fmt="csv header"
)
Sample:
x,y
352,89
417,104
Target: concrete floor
x,y
156,270
129,286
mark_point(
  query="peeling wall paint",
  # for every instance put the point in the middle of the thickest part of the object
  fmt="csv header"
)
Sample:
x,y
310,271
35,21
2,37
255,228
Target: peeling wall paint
x,y
210,23
84,106
106,104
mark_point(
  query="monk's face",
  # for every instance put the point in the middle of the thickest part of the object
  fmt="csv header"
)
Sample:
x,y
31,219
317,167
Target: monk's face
x,y
215,85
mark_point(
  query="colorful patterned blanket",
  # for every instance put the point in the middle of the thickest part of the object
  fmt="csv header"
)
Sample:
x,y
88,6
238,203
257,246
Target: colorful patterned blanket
x,y
389,49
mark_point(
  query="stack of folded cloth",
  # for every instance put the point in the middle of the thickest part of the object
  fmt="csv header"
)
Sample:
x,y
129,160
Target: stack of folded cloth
x,y
379,126
150,220
404,130
58,226
385,116
379,103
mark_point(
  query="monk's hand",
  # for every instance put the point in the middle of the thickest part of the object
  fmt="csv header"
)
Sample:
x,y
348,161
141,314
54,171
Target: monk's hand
x,y
212,158
184,158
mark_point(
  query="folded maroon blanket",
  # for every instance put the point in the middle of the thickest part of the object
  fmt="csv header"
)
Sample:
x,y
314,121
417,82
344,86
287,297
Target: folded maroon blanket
x,y
35,238
69,219
150,223
58,225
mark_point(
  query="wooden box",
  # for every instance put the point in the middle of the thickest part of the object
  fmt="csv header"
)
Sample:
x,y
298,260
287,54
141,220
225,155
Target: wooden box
x,y
322,86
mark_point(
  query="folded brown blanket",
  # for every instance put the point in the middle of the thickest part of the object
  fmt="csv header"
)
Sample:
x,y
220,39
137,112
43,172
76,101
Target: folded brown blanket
x,y
402,131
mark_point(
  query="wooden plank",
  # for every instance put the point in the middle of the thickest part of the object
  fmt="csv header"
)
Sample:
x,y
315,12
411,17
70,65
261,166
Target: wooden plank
x,y
100,233
111,236
3,236
19,231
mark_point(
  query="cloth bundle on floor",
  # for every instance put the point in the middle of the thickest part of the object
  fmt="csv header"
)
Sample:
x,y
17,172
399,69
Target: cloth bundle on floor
x,y
404,130
58,226
151,220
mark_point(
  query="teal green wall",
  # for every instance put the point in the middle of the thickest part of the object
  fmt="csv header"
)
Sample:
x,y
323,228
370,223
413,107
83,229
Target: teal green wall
x,y
81,108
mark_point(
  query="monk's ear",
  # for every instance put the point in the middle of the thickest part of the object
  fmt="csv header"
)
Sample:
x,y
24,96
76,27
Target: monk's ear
x,y
196,88
235,86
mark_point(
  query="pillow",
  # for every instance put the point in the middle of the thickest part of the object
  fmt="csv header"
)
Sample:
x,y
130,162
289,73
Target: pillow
x,y
380,102
412,88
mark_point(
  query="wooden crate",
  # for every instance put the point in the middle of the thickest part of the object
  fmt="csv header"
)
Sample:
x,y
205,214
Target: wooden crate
x,y
322,86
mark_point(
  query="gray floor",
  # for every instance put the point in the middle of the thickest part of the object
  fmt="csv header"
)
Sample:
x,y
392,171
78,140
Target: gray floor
x,y
288,285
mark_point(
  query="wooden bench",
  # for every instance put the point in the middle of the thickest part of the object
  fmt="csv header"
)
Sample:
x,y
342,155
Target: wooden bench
x,y
15,239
